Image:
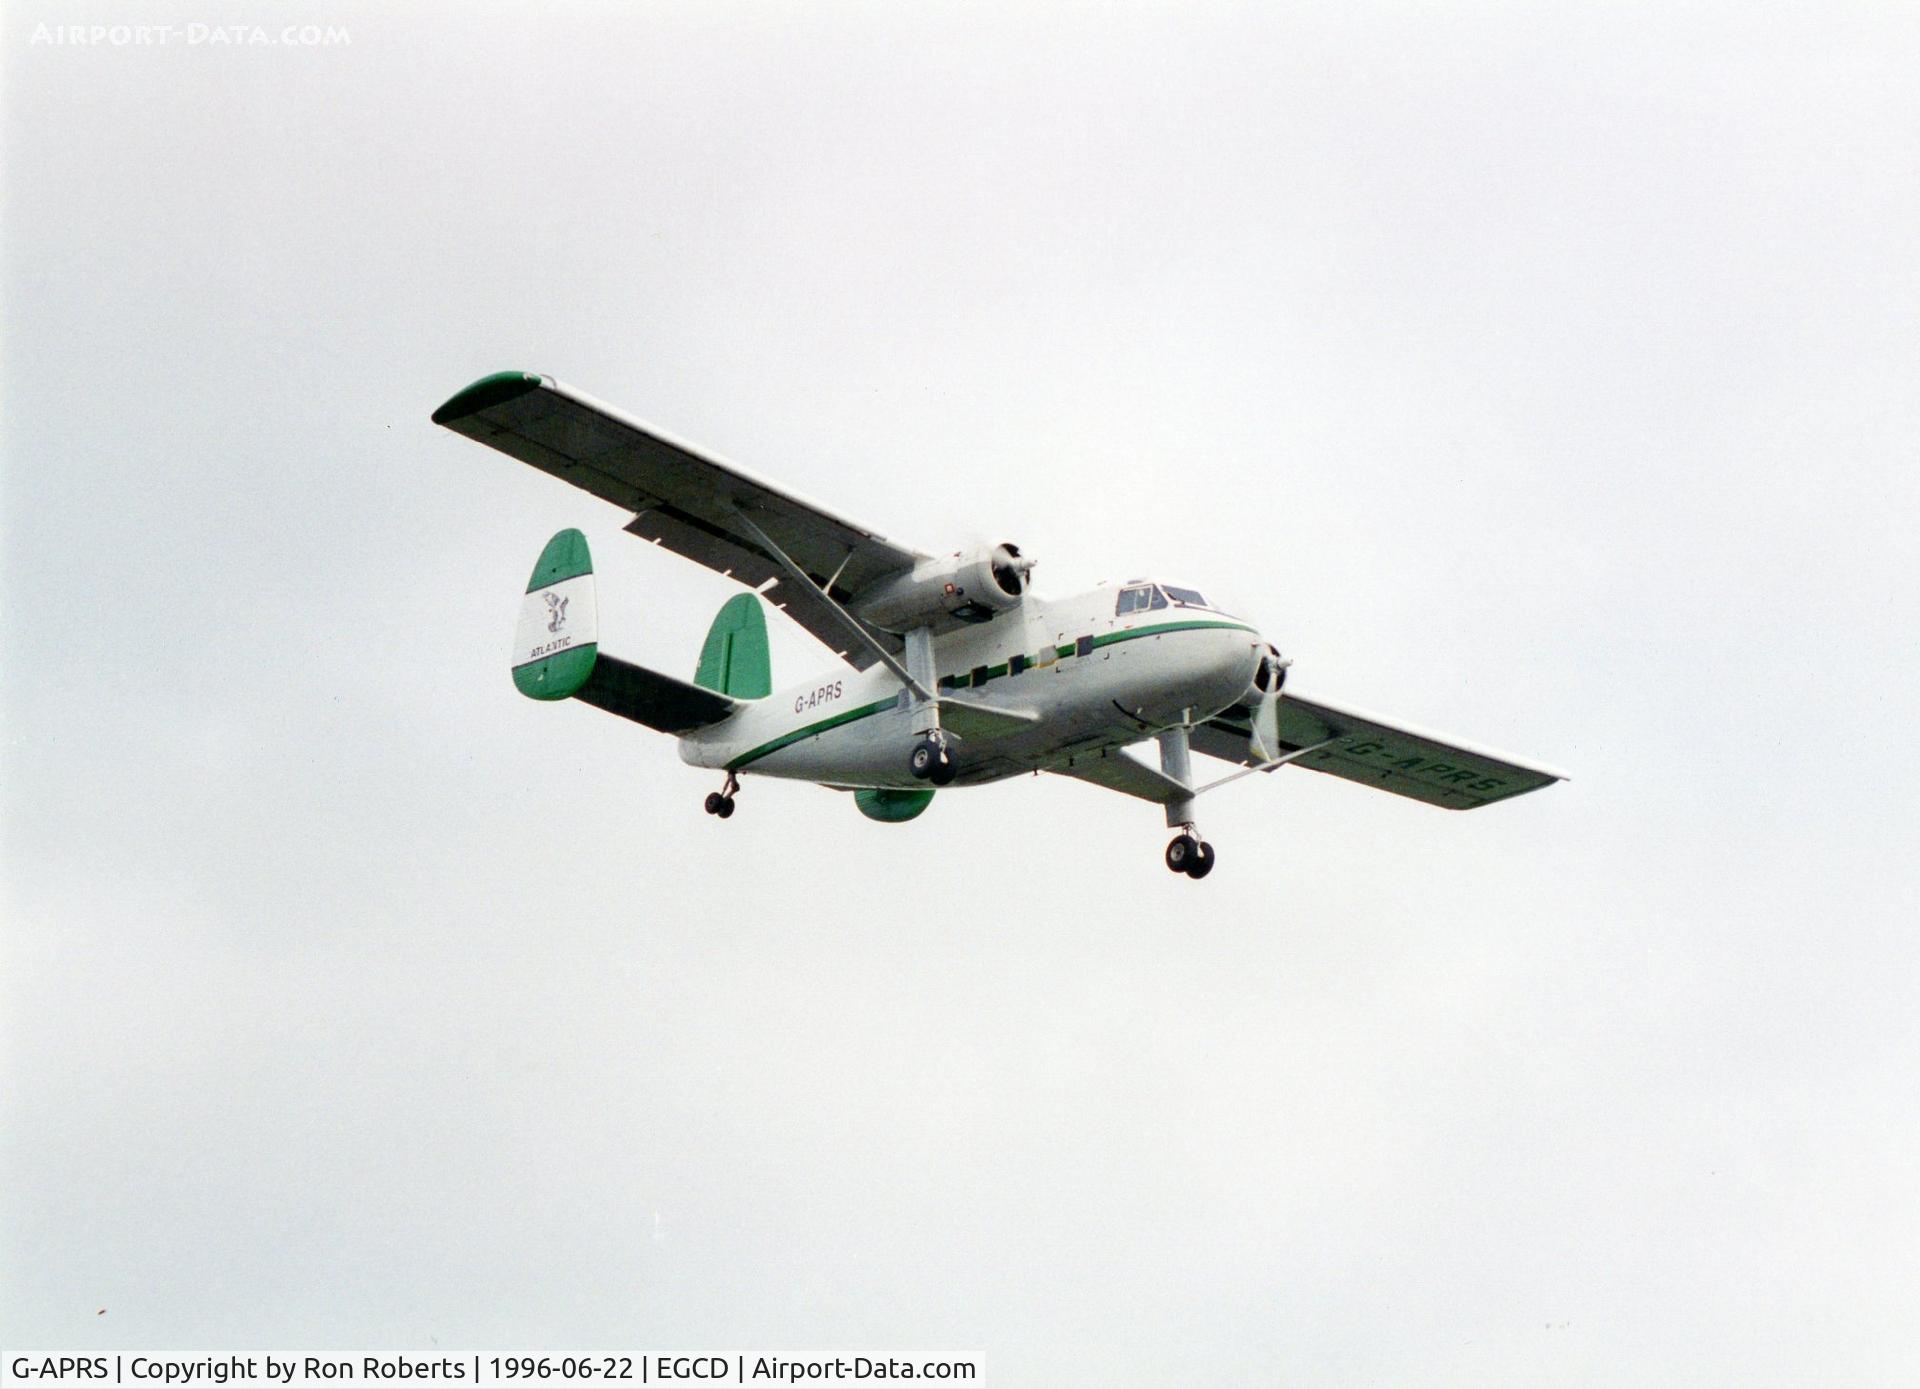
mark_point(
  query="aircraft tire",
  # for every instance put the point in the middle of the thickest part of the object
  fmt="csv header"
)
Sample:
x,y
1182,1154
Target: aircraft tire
x,y
922,760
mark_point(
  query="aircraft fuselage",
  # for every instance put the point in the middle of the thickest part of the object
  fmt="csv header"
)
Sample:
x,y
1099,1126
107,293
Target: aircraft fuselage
x,y
1095,679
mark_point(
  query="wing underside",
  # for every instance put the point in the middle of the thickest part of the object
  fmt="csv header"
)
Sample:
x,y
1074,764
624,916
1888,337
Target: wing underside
x,y
650,698
1119,769
686,500
1379,752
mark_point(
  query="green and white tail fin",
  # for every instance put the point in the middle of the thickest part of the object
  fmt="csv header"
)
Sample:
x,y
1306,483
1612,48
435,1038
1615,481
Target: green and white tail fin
x,y
557,639
556,651
735,660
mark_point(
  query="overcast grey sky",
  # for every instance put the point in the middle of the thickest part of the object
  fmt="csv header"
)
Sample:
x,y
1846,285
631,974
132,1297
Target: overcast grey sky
x,y
1543,374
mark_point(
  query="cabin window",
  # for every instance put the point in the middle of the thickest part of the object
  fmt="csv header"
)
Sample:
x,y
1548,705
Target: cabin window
x,y
979,676
1139,598
1083,647
1016,664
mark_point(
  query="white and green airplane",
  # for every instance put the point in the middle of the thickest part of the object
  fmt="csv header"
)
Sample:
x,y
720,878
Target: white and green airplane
x,y
956,673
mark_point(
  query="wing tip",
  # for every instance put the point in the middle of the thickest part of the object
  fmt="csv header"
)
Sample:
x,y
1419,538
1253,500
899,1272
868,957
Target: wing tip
x,y
486,393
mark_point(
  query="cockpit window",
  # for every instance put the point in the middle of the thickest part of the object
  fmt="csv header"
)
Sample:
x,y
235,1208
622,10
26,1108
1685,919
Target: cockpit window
x,y
1139,598
1186,597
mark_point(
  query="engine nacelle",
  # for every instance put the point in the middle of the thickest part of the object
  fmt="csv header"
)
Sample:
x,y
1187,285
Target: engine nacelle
x,y
972,586
1262,701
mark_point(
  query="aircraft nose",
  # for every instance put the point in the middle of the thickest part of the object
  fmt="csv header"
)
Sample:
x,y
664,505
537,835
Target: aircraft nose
x,y
1211,667
1234,658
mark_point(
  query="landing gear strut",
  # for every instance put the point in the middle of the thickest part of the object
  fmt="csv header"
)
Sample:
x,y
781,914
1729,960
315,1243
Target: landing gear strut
x,y
721,802
931,760
1190,854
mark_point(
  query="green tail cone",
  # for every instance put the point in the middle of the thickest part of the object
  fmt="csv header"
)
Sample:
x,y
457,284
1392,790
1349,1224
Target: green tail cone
x,y
557,640
734,660
892,807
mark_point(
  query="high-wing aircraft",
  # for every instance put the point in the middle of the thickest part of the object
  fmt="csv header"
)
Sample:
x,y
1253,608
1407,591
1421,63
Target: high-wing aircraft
x,y
956,674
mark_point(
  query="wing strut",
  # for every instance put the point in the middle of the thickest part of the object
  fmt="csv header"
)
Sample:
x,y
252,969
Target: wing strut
x,y
1267,766
846,619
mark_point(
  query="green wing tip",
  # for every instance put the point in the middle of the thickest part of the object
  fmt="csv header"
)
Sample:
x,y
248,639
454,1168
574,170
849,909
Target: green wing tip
x,y
486,393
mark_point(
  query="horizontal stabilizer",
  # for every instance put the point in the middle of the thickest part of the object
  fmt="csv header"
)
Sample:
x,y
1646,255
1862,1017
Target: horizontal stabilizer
x,y
650,698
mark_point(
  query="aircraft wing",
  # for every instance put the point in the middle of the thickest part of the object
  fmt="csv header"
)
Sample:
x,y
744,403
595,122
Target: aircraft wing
x,y
1379,752
684,499
1119,770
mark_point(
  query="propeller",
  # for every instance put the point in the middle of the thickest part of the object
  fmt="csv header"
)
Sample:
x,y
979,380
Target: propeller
x,y
1010,569
1268,678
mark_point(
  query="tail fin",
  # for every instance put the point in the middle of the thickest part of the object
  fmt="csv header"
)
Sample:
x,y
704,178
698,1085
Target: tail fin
x,y
557,640
556,651
734,660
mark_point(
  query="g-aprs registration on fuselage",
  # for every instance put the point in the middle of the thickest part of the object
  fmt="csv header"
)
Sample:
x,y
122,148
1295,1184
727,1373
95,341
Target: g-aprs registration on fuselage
x,y
956,674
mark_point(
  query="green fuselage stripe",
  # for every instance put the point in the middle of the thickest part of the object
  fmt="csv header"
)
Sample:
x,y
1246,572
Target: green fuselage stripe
x,y
819,726
962,682
1162,627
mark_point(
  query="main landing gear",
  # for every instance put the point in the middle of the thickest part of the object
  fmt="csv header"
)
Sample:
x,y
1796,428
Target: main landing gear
x,y
1190,854
932,760
721,802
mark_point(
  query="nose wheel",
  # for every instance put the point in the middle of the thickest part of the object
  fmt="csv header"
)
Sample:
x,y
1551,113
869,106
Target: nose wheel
x,y
1190,854
931,760
721,802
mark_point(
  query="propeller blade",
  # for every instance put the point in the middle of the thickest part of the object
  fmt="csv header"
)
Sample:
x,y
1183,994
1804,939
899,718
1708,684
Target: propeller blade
x,y
1265,741
1268,681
